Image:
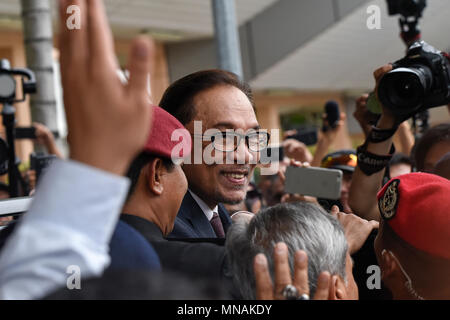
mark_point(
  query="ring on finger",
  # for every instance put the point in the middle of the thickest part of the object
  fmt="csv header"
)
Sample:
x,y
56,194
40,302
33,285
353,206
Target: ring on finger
x,y
290,292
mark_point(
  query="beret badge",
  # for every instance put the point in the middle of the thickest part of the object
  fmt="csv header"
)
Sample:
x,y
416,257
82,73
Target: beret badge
x,y
388,202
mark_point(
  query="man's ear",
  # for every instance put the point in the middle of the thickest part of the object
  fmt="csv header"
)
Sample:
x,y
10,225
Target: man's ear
x,y
388,264
337,289
154,176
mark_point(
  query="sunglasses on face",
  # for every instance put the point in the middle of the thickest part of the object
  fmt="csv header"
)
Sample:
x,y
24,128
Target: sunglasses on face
x,y
343,160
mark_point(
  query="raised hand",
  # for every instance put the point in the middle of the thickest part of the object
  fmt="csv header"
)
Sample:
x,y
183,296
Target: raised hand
x,y
355,228
362,114
330,135
45,137
296,150
266,290
108,122
387,120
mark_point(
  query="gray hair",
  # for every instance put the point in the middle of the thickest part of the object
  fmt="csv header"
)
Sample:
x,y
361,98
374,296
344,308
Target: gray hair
x,y
302,226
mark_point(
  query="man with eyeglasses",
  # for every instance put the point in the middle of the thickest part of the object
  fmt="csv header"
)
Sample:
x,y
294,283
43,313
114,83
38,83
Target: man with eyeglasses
x,y
218,111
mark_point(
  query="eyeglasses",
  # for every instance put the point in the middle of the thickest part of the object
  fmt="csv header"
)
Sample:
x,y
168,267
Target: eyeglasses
x,y
256,141
346,160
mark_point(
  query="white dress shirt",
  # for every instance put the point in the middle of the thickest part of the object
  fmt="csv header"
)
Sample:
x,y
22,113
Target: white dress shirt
x,y
70,223
206,210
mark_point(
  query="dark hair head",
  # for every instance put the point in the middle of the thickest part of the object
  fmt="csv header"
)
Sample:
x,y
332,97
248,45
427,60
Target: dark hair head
x,y
178,97
431,137
134,171
400,158
397,158
442,168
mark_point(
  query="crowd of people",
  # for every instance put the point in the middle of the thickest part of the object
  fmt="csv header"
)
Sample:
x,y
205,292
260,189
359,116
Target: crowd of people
x,y
132,197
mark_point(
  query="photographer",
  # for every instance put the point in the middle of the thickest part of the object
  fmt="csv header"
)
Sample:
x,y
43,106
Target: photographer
x,y
378,149
362,197
404,139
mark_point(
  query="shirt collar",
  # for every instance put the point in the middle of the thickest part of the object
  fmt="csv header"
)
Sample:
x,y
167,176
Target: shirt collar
x,y
206,210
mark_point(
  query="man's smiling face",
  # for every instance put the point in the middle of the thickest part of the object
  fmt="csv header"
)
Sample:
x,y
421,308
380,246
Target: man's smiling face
x,y
223,107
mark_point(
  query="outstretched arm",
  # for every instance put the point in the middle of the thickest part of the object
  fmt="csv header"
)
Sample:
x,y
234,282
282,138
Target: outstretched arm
x,y
364,187
78,202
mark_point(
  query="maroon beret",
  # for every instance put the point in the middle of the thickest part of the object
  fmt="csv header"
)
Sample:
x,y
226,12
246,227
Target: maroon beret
x,y
417,208
168,137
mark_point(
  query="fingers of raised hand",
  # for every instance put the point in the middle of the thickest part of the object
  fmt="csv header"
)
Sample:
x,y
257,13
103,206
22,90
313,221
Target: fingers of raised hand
x,y
264,286
334,211
323,286
282,270
375,224
301,272
74,48
381,71
139,65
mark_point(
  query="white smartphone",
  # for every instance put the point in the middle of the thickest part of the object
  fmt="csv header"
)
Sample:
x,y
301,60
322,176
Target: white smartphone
x,y
312,181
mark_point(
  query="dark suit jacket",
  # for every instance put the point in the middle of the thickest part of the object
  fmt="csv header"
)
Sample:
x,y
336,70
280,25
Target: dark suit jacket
x,y
191,222
129,250
192,259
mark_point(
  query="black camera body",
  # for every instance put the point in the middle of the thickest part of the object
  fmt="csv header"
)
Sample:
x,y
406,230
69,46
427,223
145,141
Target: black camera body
x,y
406,8
418,82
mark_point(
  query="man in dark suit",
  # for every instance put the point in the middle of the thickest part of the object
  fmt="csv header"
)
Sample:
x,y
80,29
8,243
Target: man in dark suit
x,y
190,224
217,109
158,185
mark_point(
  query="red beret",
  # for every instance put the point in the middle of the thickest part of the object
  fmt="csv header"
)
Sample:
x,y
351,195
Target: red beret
x,y
168,137
417,207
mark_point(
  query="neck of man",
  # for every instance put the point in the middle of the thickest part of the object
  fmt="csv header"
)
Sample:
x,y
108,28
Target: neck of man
x,y
145,207
207,200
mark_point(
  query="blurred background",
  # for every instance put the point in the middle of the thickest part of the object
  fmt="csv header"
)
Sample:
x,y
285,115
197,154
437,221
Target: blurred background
x,y
296,54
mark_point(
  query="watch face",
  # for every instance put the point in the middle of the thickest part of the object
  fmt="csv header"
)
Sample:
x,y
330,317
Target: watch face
x,y
7,86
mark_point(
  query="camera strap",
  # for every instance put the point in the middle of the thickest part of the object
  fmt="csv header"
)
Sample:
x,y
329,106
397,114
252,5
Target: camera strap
x,y
377,135
371,163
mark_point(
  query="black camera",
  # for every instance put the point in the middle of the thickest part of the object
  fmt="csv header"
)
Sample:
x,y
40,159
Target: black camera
x,y
419,81
406,8
8,98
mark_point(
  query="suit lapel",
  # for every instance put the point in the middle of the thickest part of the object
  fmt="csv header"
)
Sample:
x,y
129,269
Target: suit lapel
x,y
192,213
224,217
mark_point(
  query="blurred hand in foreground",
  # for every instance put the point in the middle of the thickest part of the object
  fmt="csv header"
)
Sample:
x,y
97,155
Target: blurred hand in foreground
x,y
108,122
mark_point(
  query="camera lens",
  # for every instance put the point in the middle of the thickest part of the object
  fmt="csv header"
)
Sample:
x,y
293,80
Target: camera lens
x,y
403,90
7,86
